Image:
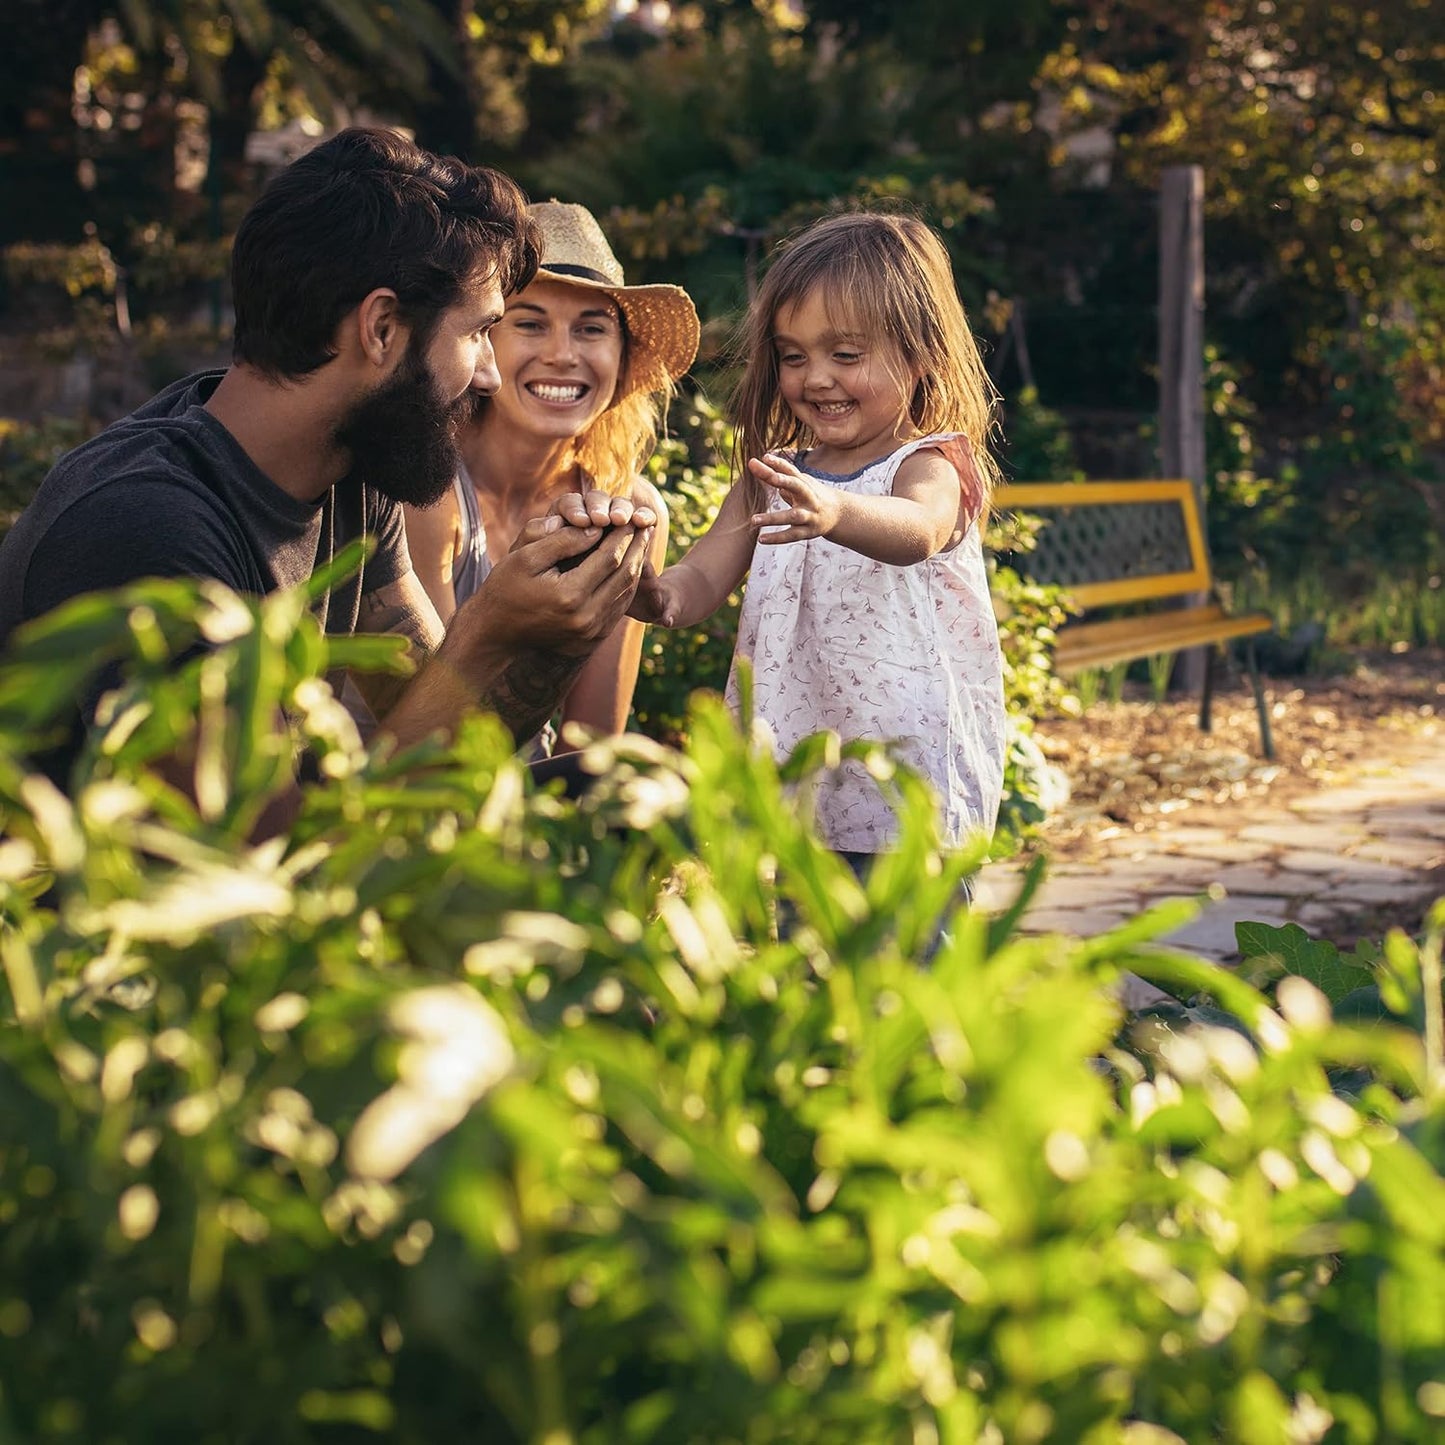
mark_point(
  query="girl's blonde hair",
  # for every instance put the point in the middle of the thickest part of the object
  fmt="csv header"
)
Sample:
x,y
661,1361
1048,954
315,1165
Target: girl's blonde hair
x,y
890,279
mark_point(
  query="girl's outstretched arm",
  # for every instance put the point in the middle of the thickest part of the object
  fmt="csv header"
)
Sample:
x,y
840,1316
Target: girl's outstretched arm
x,y
927,511
698,585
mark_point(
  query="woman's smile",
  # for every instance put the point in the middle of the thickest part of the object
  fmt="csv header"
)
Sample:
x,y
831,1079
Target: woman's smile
x,y
558,393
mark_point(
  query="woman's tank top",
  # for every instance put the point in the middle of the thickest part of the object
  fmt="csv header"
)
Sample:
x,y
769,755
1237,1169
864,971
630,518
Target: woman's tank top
x,y
472,564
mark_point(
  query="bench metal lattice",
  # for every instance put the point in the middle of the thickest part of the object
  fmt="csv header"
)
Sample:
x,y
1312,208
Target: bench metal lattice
x,y
1104,542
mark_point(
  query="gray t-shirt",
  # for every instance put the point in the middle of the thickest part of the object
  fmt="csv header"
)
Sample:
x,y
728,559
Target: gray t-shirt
x,y
168,492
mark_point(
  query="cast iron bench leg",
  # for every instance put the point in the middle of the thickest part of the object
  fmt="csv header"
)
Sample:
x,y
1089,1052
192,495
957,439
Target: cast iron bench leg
x,y
1261,706
1206,696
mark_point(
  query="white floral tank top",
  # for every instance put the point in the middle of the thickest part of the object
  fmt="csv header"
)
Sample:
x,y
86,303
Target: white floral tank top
x,y
905,655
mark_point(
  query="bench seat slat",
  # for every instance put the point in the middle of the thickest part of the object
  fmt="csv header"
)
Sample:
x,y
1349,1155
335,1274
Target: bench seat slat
x,y
1122,639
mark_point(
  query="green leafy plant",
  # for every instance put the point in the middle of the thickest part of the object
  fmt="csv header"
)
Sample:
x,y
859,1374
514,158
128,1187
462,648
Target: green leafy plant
x,y
1039,447
1161,669
1361,485
1029,616
1114,678
693,471
1398,980
464,1111
1088,685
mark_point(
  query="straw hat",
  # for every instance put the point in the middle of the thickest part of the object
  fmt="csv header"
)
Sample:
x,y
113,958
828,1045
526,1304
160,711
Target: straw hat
x,y
662,325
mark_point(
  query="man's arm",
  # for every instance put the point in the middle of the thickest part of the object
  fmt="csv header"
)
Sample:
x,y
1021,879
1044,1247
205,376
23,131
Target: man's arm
x,y
517,645
481,670
399,609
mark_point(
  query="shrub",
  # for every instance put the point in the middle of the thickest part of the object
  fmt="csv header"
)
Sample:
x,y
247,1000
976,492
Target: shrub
x,y
464,1112
692,470
1247,513
1039,447
1361,485
27,453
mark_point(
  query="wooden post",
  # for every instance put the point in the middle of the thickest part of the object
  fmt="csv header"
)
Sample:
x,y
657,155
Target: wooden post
x,y
1181,349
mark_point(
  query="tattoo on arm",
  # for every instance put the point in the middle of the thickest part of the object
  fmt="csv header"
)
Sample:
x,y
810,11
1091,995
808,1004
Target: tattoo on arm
x,y
393,611
528,691
396,612
525,693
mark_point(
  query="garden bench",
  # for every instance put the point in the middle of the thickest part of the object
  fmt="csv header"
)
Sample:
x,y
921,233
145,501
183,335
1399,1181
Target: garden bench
x,y
1119,544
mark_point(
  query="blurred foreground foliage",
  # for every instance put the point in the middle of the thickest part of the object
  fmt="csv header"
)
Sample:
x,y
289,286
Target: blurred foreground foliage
x,y
466,1112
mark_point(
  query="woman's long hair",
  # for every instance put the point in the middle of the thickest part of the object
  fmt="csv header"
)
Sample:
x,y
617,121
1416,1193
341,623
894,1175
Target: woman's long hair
x,y
614,448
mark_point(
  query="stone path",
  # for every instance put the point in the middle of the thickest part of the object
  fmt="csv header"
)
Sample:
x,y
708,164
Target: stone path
x,y
1355,857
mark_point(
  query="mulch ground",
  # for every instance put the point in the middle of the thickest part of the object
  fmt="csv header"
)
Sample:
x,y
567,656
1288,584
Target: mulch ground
x,y
1139,766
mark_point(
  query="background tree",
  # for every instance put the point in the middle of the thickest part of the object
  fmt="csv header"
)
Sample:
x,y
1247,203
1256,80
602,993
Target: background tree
x,y
1032,132
1319,129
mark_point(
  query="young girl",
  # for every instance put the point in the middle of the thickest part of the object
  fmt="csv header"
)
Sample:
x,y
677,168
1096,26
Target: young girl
x,y
864,414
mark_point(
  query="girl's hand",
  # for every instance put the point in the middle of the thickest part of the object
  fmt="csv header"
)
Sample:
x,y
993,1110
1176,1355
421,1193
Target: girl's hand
x,y
813,507
654,601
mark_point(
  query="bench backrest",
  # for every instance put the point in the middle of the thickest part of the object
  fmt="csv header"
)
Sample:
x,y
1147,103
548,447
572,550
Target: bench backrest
x,y
1111,542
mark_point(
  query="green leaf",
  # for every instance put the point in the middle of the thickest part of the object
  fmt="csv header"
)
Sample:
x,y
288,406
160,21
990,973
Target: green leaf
x,y
1333,973
1257,1411
347,561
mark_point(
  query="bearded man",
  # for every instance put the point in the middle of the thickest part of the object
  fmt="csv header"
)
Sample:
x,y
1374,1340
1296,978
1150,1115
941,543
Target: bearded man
x,y
366,281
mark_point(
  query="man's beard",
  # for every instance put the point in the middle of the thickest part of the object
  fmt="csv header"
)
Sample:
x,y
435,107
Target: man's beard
x,y
403,438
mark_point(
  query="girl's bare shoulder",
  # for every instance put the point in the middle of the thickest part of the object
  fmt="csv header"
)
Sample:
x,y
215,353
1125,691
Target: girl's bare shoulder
x,y
934,461
947,466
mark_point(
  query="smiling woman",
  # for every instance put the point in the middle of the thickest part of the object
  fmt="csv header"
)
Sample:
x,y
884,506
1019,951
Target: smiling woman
x,y
586,362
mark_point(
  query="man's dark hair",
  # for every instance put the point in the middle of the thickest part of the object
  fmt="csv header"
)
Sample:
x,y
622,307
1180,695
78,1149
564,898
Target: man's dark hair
x,y
366,209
